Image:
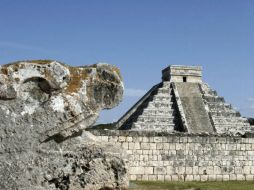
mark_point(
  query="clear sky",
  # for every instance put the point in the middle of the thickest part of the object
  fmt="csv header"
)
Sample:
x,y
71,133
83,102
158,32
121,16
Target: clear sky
x,y
141,37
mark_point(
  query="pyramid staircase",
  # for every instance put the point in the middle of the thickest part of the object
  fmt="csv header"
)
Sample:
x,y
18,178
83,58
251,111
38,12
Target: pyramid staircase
x,y
155,111
224,117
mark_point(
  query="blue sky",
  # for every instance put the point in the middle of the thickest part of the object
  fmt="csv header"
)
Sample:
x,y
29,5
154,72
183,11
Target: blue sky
x,y
141,38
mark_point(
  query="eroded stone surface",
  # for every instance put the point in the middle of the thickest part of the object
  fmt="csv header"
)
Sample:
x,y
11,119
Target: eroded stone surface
x,y
44,108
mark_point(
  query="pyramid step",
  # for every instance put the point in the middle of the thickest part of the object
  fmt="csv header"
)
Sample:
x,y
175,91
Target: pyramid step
x,y
160,105
156,119
214,98
166,84
161,98
153,124
219,105
232,126
164,91
152,127
231,123
225,113
158,113
232,119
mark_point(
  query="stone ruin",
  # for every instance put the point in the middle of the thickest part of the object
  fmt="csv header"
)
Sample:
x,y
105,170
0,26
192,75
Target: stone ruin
x,y
44,108
183,102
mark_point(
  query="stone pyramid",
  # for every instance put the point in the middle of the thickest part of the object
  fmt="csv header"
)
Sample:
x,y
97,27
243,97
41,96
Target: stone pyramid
x,y
183,102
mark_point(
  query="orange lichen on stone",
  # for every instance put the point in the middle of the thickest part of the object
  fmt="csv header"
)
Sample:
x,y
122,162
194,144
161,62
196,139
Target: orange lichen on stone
x,y
48,75
77,75
17,79
4,70
40,61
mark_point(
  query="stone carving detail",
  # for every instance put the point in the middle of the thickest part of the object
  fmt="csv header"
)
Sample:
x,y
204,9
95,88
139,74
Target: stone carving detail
x,y
44,108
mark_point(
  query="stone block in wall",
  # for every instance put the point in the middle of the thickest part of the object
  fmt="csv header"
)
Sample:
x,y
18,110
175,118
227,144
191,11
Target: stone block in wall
x,y
175,139
136,170
136,145
144,157
122,139
158,139
238,170
248,146
183,139
125,145
232,177
165,146
188,170
113,138
131,145
195,170
159,170
164,139
156,152
159,146
145,178
151,139
148,170
210,170
212,177
172,146
219,177
180,146
145,139
225,177
189,177
170,170
161,177
175,178
152,177
246,170
166,163
145,146
202,170
168,178
249,177
139,177
196,178
133,177
203,177
180,170
152,146
251,141
129,139
240,177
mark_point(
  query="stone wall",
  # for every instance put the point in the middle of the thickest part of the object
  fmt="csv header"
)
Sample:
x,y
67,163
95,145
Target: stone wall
x,y
187,157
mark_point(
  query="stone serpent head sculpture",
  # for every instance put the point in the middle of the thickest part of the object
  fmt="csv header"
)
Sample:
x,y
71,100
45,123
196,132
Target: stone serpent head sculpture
x,y
44,108
68,99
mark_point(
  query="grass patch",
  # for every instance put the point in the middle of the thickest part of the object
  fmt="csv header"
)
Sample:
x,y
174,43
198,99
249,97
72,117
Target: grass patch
x,y
225,185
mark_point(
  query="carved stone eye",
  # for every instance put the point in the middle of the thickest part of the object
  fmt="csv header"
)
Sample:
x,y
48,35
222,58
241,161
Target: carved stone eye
x,y
41,83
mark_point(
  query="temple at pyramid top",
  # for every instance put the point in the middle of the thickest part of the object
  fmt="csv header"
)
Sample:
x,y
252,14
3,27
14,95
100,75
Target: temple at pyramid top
x,y
183,102
179,73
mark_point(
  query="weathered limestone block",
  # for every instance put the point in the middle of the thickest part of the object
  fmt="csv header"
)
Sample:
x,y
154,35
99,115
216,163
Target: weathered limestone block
x,y
44,108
